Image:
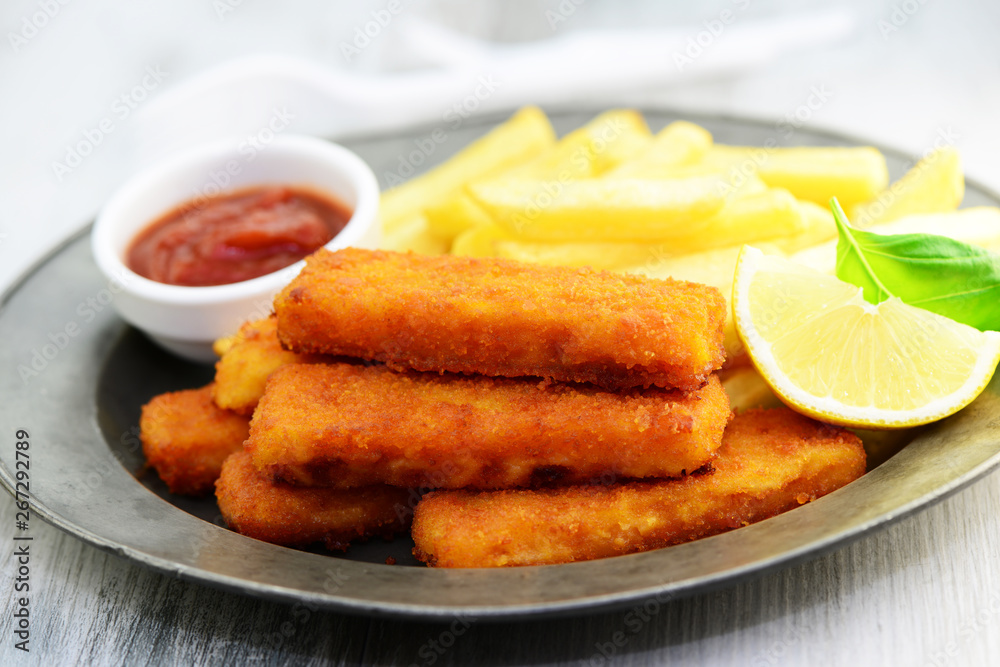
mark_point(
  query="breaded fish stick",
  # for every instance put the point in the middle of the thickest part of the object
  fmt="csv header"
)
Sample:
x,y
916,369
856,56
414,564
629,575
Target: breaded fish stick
x,y
247,359
292,516
186,437
342,425
504,318
770,461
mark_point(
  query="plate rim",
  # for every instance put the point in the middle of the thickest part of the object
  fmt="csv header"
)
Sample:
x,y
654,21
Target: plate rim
x,y
591,604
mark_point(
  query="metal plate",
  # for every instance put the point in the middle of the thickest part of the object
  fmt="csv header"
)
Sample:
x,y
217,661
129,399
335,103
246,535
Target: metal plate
x,y
74,375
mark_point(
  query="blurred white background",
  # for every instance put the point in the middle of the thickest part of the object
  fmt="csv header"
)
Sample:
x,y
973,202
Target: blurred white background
x,y
899,73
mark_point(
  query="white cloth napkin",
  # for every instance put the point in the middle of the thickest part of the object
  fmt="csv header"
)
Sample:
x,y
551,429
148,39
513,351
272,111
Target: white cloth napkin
x,y
425,73
464,76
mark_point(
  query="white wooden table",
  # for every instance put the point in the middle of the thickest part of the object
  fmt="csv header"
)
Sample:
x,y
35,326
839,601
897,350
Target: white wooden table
x,y
923,592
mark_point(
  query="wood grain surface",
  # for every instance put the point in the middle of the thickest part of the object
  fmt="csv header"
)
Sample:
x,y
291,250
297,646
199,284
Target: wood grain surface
x,y
923,592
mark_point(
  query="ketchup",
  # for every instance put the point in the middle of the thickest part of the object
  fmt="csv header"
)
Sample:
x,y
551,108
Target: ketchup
x,y
235,236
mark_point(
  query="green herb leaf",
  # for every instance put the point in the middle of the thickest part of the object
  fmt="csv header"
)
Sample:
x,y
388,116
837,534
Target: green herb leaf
x,y
936,273
852,259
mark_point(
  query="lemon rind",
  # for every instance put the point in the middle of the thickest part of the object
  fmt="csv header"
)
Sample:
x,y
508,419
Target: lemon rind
x,y
828,409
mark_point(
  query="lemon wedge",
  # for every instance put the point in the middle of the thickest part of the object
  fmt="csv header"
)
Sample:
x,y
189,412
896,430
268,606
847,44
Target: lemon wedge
x,y
830,354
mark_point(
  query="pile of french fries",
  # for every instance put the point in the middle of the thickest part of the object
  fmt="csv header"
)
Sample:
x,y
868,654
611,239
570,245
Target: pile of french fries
x,y
612,195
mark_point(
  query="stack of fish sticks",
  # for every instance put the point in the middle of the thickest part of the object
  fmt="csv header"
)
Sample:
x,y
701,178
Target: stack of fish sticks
x,y
545,414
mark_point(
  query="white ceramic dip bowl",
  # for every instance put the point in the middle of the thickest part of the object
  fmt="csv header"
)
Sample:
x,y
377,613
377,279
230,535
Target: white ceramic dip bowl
x,y
186,320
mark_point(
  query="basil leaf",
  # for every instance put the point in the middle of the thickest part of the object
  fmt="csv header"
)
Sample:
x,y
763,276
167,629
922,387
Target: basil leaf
x,y
852,258
936,273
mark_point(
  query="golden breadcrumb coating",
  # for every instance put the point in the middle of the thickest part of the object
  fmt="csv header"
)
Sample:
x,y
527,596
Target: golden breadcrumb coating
x,y
293,516
186,437
247,359
343,425
770,461
499,317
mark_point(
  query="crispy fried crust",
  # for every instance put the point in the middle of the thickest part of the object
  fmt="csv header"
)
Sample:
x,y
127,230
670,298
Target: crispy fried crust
x,y
770,461
247,359
503,318
342,425
186,437
293,516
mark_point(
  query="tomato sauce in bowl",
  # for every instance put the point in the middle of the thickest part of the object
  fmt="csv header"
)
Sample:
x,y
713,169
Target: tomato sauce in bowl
x,y
235,236
279,208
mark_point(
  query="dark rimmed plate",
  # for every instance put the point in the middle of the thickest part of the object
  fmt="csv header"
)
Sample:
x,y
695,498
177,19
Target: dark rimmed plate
x,y
74,376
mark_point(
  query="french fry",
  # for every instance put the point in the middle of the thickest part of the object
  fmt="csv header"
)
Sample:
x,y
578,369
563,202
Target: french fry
x,y
767,215
526,134
498,242
454,215
933,185
712,267
619,144
599,145
811,173
597,255
569,154
761,216
731,185
601,209
412,233
678,144
818,227
479,241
